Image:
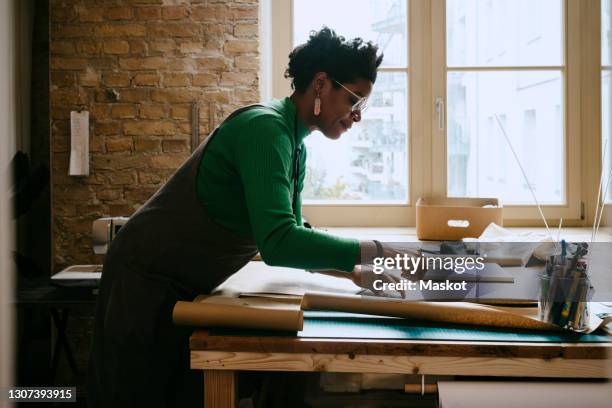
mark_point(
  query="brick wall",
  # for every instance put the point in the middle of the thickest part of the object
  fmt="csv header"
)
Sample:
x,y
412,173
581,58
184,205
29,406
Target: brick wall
x,y
137,65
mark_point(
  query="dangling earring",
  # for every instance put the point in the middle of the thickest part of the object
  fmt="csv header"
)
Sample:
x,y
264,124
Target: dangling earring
x,y
317,105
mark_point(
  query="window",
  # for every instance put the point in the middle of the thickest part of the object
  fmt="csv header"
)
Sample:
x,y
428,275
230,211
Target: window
x,y
369,164
505,59
508,62
452,70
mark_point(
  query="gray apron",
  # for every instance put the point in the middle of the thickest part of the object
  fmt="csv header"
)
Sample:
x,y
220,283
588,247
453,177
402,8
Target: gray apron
x,y
169,250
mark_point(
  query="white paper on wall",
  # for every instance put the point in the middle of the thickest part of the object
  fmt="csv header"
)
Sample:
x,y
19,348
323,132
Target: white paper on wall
x,y
79,143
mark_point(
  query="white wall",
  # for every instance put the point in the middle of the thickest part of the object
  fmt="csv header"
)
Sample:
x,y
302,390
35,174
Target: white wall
x,y
8,115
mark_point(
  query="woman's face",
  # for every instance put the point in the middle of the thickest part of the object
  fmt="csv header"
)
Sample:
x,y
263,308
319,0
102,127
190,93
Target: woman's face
x,y
336,115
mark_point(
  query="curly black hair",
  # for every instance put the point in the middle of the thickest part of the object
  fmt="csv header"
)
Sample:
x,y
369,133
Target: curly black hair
x,y
325,51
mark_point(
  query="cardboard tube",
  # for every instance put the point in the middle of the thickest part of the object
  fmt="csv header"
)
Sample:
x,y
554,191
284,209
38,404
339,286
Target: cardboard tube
x,y
233,312
448,312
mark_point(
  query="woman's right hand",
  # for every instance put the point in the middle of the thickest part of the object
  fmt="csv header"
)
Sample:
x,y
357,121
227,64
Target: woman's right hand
x,y
364,277
412,275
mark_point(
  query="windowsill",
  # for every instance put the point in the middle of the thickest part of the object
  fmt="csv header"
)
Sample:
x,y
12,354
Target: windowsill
x,y
408,234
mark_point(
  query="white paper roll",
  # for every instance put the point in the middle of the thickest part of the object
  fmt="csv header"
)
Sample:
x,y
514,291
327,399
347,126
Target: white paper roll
x,y
516,394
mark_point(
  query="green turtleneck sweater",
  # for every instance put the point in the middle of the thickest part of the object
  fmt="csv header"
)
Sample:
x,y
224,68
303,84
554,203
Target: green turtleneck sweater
x,y
245,184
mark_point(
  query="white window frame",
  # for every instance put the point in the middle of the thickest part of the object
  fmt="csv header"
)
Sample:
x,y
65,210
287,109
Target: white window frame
x,y
427,143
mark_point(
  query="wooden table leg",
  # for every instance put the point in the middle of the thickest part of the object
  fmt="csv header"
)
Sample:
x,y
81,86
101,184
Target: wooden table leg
x,y
220,389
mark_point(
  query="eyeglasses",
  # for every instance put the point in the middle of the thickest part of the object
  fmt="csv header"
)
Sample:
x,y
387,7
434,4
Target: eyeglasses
x,y
362,101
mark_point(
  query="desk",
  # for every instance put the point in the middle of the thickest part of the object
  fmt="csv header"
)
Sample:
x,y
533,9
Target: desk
x,y
74,287
58,301
221,356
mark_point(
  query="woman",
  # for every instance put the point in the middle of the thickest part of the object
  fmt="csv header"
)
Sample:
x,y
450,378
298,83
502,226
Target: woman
x,y
236,195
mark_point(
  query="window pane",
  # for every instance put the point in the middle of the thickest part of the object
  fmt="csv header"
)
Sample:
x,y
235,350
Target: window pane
x,y
369,163
606,32
504,32
606,126
380,21
480,162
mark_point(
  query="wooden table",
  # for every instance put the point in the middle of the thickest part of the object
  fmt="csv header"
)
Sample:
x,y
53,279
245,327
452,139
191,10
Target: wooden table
x,y
222,356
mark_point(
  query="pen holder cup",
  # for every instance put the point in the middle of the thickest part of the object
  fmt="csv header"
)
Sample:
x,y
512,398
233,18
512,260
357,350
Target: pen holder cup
x,y
564,300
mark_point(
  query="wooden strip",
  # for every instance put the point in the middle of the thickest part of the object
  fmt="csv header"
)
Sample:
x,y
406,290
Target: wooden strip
x,y
509,68
195,126
419,105
393,69
201,341
438,79
219,389
471,366
586,23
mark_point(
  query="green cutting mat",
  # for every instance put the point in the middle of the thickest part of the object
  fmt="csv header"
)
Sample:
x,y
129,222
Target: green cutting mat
x,y
346,325
354,326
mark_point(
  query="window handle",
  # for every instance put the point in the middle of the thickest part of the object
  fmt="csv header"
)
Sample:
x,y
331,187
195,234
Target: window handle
x,y
440,111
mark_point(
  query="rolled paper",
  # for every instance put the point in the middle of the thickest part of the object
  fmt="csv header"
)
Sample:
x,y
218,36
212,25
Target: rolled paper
x,y
448,312
247,313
